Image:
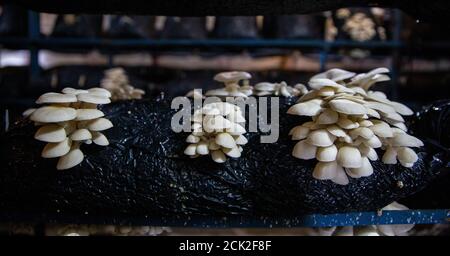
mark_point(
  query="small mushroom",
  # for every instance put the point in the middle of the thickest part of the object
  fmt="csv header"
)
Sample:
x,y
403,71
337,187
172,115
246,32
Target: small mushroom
x,y
327,154
347,107
73,158
335,74
308,108
390,156
99,124
99,139
303,150
51,133
52,150
93,99
88,114
225,140
232,77
320,138
325,170
405,140
349,157
53,97
53,114
81,135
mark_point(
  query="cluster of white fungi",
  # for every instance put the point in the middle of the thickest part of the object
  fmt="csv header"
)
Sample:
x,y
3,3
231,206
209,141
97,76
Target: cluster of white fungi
x,y
349,121
116,81
69,119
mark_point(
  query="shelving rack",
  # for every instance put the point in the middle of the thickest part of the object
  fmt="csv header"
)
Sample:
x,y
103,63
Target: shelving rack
x,y
34,42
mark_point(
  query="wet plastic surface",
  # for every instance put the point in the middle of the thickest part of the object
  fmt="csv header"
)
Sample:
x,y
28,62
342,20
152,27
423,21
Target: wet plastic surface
x,y
143,175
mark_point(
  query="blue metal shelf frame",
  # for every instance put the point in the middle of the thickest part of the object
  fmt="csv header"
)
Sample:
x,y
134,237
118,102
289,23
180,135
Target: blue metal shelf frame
x,y
34,42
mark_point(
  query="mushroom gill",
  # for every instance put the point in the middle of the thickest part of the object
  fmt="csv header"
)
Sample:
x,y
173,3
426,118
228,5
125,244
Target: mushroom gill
x,y
69,119
349,121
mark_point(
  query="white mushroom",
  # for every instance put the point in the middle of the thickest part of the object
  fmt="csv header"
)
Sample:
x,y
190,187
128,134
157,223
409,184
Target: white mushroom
x,y
88,114
51,133
349,157
99,124
81,135
53,114
52,150
73,158
303,150
69,121
53,97
320,138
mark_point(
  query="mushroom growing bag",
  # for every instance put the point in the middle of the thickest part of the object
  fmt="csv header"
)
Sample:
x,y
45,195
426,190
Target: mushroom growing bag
x,y
144,177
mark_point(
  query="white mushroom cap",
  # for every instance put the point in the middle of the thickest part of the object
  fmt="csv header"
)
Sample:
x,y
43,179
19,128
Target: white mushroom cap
x,y
202,148
407,156
320,138
405,140
52,150
382,129
99,124
73,158
99,139
94,99
51,133
328,116
308,108
232,152
80,135
365,170
347,107
28,112
53,114
53,97
241,140
73,91
218,156
100,92
303,150
390,156
216,123
335,74
192,139
327,154
299,132
191,150
88,114
225,140
326,170
233,76
349,157
265,86
236,129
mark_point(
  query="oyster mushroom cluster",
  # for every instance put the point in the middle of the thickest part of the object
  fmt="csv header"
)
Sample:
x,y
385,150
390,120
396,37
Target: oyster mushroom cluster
x,y
360,27
349,121
69,119
116,81
217,131
236,85
277,89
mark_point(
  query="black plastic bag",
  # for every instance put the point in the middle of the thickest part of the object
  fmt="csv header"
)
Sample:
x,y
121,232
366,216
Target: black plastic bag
x,y
144,177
